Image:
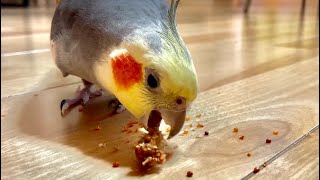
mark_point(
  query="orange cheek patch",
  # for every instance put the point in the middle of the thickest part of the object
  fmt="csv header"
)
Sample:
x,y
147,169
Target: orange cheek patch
x,y
126,71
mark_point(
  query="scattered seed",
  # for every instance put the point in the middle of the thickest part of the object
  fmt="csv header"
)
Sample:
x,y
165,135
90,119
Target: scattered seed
x,y
97,128
190,126
256,170
147,139
199,115
187,119
115,149
275,132
115,164
129,131
241,137
189,174
235,130
206,133
124,129
248,154
101,144
199,125
185,132
268,141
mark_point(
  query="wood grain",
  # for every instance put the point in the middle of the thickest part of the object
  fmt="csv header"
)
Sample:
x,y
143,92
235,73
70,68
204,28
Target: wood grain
x,y
29,73
42,144
300,163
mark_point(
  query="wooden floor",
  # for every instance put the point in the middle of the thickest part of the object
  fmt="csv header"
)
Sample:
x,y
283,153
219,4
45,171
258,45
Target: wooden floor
x,y
257,72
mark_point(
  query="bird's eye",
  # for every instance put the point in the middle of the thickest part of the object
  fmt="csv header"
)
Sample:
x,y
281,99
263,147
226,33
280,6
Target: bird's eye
x,y
152,81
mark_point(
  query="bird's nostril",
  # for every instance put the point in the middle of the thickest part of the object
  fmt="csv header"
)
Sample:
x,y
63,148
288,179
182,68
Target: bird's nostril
x,y
179,101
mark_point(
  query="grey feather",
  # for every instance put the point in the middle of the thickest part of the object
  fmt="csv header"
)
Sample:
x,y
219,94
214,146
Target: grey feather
x,y
83,30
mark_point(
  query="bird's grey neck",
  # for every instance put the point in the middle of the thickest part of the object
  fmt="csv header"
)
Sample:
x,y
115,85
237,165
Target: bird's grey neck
x,y
149,35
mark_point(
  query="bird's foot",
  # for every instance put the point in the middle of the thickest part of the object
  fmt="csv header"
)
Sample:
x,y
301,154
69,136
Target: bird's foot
x,y
82,97
115,103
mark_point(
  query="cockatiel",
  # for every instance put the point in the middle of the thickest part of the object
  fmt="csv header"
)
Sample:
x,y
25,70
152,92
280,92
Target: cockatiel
x,y
130,48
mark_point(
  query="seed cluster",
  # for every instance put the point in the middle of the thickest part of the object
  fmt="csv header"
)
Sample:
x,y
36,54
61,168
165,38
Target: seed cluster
x,y
148,153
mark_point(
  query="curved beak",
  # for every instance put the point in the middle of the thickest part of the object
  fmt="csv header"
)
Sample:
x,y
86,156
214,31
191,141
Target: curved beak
x,y
175,119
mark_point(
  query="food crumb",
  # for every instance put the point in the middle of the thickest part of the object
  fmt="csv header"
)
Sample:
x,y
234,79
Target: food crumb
x,y
241,137
189,174
115,149
129,131
80,108
124,129
168,129
97,128
248,154
101,144
268,141
199,125
185,132
199,115
115,164
206,133
275,132
147,138
256,170
187,119
235,130
190,126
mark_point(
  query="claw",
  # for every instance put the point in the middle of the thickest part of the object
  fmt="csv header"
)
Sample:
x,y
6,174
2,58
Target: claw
x,y
62,103
82,96
114,103
120,108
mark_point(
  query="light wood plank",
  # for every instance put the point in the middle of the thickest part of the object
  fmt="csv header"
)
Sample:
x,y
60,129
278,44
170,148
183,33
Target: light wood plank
x,y
30,73
300,163
36,141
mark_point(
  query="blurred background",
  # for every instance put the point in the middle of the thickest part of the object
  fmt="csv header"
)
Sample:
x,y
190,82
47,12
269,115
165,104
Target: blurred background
x,y
223,40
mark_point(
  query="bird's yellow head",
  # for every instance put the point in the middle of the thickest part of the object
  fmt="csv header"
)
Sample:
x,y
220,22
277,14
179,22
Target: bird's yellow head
x,y
145,80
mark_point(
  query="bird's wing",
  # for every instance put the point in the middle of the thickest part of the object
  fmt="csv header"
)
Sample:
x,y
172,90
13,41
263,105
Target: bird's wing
x,y
83,30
